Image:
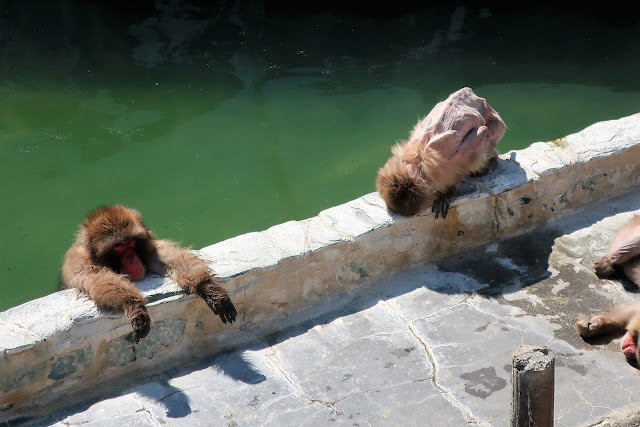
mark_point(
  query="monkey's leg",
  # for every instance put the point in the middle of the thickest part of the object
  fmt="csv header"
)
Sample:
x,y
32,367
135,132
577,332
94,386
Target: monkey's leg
x,y
607,323
443,201
191,272
623,248
114,292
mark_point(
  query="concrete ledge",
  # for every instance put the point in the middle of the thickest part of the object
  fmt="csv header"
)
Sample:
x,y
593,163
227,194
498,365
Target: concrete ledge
x,y
61,345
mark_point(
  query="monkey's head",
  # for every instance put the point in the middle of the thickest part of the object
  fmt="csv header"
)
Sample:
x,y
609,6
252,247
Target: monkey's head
x,y
402,188
118,238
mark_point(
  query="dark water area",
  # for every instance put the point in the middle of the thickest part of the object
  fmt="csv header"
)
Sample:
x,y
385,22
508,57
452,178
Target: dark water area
x,y
220,118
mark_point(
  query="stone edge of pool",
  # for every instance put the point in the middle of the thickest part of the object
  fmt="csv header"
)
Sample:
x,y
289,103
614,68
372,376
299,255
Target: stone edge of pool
x,y
61,345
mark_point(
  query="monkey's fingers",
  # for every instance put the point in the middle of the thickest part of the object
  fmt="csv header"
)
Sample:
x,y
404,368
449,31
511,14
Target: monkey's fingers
x,y
218,301
228,311
445,208
225,309
441,206
141,324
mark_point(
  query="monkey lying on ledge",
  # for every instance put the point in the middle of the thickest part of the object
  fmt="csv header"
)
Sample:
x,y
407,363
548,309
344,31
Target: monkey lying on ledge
x,y
456,139
114,249
623,255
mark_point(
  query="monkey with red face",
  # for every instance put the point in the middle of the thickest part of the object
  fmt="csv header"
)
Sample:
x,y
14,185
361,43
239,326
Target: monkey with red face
x,y
114,249
623,256
621,321
455,140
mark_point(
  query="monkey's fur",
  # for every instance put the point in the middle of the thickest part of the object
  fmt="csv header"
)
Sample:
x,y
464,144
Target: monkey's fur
x,y
623,256
623,253
455,140
92,266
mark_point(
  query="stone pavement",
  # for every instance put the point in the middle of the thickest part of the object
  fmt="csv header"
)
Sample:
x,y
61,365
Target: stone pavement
x,y
429,346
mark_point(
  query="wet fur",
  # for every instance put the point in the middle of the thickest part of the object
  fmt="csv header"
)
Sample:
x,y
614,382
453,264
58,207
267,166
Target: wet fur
x,y
91,267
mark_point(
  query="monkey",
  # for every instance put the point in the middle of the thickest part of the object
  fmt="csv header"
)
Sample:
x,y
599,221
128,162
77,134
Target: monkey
x,y
114,249
623,255
455,140
625,320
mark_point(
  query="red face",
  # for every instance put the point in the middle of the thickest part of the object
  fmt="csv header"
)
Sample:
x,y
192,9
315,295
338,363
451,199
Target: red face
x,y
130,263
629,346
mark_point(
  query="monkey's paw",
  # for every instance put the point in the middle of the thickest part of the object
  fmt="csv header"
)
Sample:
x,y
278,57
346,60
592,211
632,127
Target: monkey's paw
x,y
441,205
140,321
591,327
604,267
218,301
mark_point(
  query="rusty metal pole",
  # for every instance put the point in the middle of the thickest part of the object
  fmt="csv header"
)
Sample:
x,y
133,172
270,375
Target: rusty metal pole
x,y
532,380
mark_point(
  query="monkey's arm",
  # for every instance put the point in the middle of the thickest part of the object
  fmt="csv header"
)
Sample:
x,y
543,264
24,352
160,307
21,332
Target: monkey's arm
x,y
107,289
191,272
608,323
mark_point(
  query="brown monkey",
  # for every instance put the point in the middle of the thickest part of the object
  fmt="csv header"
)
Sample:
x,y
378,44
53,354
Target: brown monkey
x,y
623,254
455,140
114,249
625,320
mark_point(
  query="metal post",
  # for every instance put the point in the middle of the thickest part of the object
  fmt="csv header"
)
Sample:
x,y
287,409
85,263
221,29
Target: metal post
x,y
532,380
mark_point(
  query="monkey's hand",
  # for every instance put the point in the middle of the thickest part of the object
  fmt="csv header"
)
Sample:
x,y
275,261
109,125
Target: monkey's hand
x,y
591,327
140,320
441,205
218,301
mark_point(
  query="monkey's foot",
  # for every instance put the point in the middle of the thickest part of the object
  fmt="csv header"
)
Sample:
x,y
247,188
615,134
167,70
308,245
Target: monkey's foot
x,y
218,301
140,321
591,327
441,205
604,267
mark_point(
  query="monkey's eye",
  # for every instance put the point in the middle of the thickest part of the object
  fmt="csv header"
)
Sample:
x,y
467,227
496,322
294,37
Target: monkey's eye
x,y
121,247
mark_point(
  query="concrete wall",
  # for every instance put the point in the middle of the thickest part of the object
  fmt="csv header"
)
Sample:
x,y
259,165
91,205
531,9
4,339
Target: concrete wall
x,y
61,345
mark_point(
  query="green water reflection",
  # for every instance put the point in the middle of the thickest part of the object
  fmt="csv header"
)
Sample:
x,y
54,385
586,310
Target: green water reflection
x,y
246,121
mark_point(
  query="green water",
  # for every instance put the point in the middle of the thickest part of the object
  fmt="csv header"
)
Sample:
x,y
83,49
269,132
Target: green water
x,y
219,122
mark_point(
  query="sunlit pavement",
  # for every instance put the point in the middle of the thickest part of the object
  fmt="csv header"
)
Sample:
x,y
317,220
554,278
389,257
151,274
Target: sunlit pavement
x,y
430,346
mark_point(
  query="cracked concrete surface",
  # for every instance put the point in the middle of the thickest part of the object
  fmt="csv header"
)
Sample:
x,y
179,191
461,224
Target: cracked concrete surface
x,y
431,345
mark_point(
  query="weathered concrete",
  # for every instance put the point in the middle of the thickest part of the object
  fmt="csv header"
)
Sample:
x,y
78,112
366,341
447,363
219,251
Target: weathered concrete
x,y
449,318
431,345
